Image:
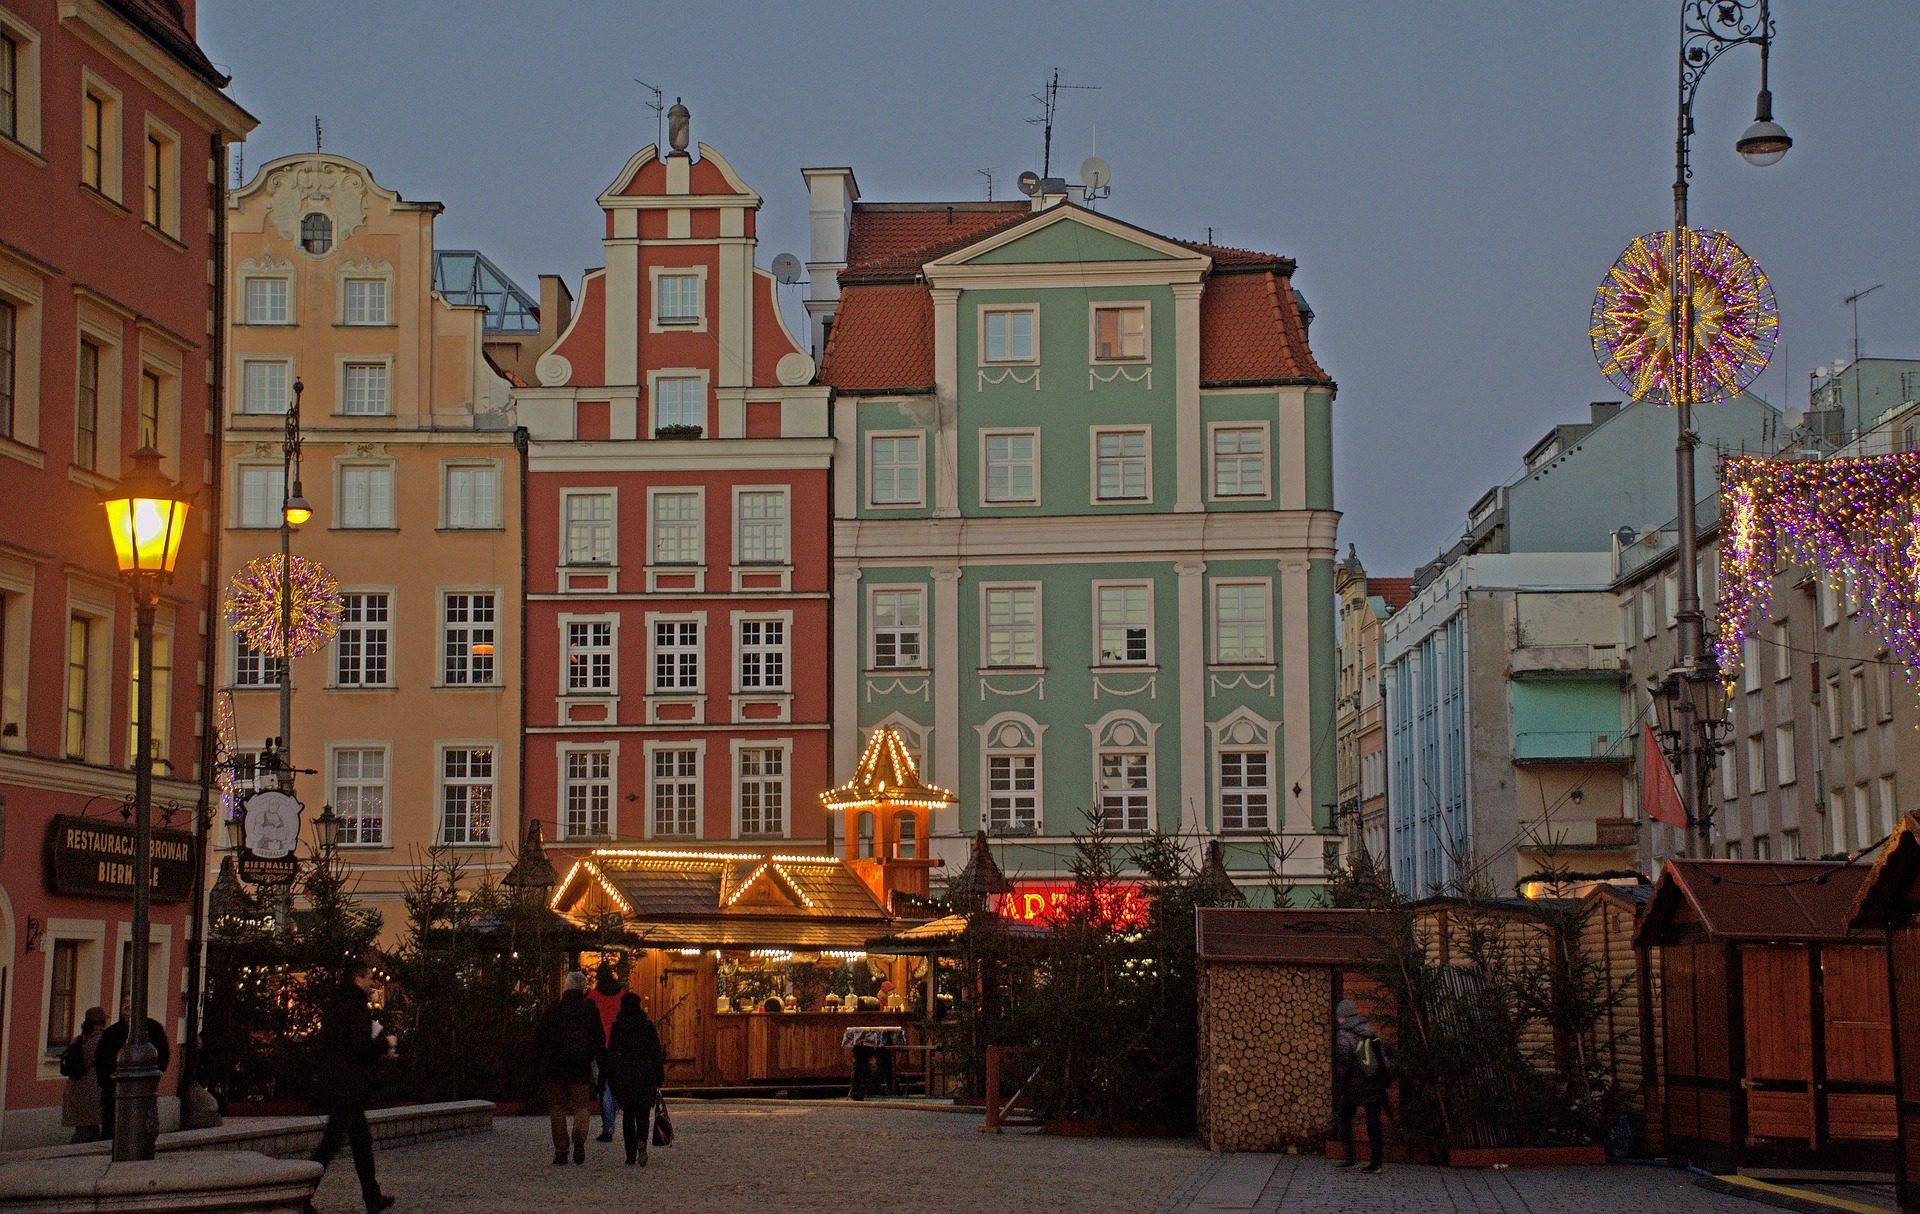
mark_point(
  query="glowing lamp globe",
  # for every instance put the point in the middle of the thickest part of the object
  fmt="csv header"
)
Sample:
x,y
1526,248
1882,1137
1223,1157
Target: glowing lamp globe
x,y
297,509
147,518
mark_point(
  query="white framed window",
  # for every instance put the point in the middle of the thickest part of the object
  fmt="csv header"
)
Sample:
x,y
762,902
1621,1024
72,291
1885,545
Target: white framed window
x,y
364,301
760,521
88,384
897,617
1649,612
1239,460
1783,755
673,794
1889,690
1122,460
253,668
1888,809
1246,793
1242,622
19,83
1123,623
589,527
466,794
261,495
1750,672
676,655
361,646
1782,652
895,470
366,496
1009,466
906,836
1126,789
100,129
87,655
762,790
1013,792
1119,332
160,195
763,654
679,401
1756,764
1670,596
1012,633
589,657
470,494
468,619
360,795
264,385
677,298
1857,698
1009,335
1833,709
266,300
586,794
363,390
678,528
1826,603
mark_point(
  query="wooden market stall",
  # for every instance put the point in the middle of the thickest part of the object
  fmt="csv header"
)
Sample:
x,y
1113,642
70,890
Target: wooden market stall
x,y
1777,1032
1890,899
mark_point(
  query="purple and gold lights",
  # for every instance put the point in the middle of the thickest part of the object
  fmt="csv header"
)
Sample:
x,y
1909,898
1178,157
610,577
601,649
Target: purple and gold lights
x,y
253,606
1733,320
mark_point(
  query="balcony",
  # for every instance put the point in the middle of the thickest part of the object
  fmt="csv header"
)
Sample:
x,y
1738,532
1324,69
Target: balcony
x,y
1530,660
1569,746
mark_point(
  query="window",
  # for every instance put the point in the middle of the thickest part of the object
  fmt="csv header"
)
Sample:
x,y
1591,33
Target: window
x,y
1240,622
162,702
1670,595
162,193
263,387
80,659
360,795
1125,616
63,997
360,646
262,495
1013,800
1011,467
763,655
1120,465
1823,597
149,410
679,298
1124,790
763,790
1756,764
1889,690
864,833
676,792
364,390
1857,699
588,794
1783,756
1750,675
1888,815
86,408
9,342
1649,614
893,470
1239,461
1762,848
365,301
266,301
906,829
1013,626
1245,796
466,794
1119,333
1862,819
253,668
9,85
1009,336
366,495
469,625
1782,652
1833,708
589,656
94,133
678,401
316,233
677,529
676,655
590,529
473,496
898,617
1790,845
763,527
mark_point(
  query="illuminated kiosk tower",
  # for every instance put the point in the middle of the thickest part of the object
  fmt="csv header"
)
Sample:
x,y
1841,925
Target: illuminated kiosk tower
x,y
887,818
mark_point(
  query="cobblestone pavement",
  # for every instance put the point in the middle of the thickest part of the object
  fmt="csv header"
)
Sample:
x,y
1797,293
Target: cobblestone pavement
x,y
840,1158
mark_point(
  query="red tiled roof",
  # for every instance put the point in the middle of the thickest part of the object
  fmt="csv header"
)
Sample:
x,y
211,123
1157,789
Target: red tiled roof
x,y
1251,331
888,238
1785,900
1226,256
1395,590
881,340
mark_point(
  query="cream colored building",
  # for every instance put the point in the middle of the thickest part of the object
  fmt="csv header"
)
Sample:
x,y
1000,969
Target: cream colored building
x,y
409,718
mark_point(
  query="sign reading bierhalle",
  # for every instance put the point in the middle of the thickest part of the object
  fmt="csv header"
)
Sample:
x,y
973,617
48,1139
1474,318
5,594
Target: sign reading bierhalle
x,y
94,857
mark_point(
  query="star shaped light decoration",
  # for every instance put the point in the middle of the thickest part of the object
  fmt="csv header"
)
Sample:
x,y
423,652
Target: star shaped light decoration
x,y
1735,321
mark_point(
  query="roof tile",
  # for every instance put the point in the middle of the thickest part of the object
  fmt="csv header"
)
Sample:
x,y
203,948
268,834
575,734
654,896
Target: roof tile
x,y
881,340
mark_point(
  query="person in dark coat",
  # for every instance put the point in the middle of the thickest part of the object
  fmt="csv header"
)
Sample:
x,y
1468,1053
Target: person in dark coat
x,y
106,1056
605,997
571,1045
1356,1083
80,1103
635,1067
353,1040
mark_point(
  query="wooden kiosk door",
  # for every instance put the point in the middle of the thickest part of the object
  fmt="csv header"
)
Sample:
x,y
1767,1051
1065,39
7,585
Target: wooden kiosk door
x,y
680,1022
1776,983
1856,1094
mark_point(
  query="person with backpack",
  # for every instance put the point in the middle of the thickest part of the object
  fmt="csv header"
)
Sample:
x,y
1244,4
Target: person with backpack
x,y
571,1045
80,1103
1361,1073
635,1066
607,1000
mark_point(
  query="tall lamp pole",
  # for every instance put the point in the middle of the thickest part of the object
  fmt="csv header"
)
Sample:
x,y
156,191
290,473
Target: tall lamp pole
x,y
1708,29
294,511
147,519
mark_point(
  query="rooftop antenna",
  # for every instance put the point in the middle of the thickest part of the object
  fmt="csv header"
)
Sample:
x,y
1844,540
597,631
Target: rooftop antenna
x,y
659,107
319,137
988,174
1049,101
1853,301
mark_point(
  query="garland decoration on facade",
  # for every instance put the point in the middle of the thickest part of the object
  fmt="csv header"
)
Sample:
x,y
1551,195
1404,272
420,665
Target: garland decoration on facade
x,y
253,606
1735,321
1853,520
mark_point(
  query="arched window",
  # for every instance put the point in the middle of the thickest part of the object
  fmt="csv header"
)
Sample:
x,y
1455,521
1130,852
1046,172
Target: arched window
x,y
865,829
316,233
1012,760
907,842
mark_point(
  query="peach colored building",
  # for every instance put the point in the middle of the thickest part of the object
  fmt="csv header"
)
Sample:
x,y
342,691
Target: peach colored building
x,y
408,721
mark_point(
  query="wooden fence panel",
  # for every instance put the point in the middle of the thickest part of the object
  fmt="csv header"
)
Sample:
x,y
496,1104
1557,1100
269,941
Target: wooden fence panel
x,y
1859,1013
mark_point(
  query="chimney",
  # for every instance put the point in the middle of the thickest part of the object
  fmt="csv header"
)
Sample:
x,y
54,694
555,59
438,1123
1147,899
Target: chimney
x,y
556,310
831,193
1600,410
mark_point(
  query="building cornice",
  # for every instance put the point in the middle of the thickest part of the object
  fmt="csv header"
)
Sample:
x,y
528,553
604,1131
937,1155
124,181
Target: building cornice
x,y
106,31
1281,535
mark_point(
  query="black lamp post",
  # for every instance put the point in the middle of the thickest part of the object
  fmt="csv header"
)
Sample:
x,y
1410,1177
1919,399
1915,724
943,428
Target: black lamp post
x,y
147,519
294,511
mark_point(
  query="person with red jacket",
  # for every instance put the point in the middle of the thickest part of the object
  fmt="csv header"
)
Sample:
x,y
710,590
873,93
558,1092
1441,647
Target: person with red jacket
x,y
605,996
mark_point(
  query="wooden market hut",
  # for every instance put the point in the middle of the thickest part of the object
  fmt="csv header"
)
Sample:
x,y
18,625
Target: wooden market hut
x,y
1890,899
1777,1027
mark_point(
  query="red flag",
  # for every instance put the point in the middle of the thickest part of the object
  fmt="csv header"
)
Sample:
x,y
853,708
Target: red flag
x,y
1659,795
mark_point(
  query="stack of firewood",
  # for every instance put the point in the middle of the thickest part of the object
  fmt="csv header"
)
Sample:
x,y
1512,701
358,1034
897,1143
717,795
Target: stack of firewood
x,y
1266,1068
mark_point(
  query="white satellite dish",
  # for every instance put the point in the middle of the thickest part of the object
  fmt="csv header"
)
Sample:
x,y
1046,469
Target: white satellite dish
x,y
1029,183
1095,173
787,269
1820,372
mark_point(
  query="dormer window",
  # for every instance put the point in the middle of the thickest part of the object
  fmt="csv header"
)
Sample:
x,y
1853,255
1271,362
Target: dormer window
x,y
316,233
678,299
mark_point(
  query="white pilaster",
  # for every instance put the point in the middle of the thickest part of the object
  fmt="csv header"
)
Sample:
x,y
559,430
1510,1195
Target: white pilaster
x,y
846,458
1189,437
848,664
1290,450
736,296
623,312
946,403
948,675
1196,816
1296,697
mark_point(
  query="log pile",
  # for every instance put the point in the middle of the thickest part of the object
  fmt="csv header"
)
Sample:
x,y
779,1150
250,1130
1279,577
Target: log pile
x,y
1266,1067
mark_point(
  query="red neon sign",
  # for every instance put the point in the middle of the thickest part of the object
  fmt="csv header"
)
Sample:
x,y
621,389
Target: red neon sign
x,y
1043,902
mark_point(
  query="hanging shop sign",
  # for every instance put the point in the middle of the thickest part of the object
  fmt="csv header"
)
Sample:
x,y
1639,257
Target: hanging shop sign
x,y
1042,902
94,858
270,833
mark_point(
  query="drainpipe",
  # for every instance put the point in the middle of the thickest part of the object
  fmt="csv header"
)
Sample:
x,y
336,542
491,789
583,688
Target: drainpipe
x,y
520,443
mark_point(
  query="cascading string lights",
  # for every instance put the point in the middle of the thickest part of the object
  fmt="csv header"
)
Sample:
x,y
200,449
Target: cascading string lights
x,y
1735,319
253,606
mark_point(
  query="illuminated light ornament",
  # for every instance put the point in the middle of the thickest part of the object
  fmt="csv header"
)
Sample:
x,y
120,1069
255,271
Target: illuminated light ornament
x,y
225,740
1851,519
1735,321
887,774
253,606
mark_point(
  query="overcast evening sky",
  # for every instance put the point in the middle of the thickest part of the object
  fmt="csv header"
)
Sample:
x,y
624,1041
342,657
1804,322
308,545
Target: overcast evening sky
x,y
1454,179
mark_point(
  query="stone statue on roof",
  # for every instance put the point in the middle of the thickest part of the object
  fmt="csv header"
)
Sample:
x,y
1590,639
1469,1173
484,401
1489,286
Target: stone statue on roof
x,y
677,119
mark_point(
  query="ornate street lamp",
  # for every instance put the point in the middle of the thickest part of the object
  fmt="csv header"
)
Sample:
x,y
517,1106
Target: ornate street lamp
x,y
294,511
146,519
326,830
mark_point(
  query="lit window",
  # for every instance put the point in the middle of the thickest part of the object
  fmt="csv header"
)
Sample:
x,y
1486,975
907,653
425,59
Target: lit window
x,y
468,624
1124,790
590,529
678,402
1013,626
893,470
1240,622
366,301
1239,461
898,618
473,496
266,301
1124,616
316,233
677,529
149,410
466,795
263,387
588,794
365,390
1119,333
675,798
262,495
763,790
360,646
1120,465
763,528
86,410
1009,336
63,995
80,659
1012,467
366,495
1013,793
679,298
1245,797
162,192
589,656
360,795
676,655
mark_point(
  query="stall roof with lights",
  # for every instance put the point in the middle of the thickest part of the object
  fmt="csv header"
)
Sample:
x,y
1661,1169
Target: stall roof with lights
x,y
887,775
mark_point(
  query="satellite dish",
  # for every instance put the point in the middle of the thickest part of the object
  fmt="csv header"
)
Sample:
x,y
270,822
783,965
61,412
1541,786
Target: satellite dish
x,y
786,269
1095,173
1029,183
1820,372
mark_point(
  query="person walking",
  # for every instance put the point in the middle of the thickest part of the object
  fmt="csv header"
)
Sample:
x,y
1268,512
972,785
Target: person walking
x,y
1360,1078
80,1103
353,1040
636,1065
571,1044
106,1056
606,999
